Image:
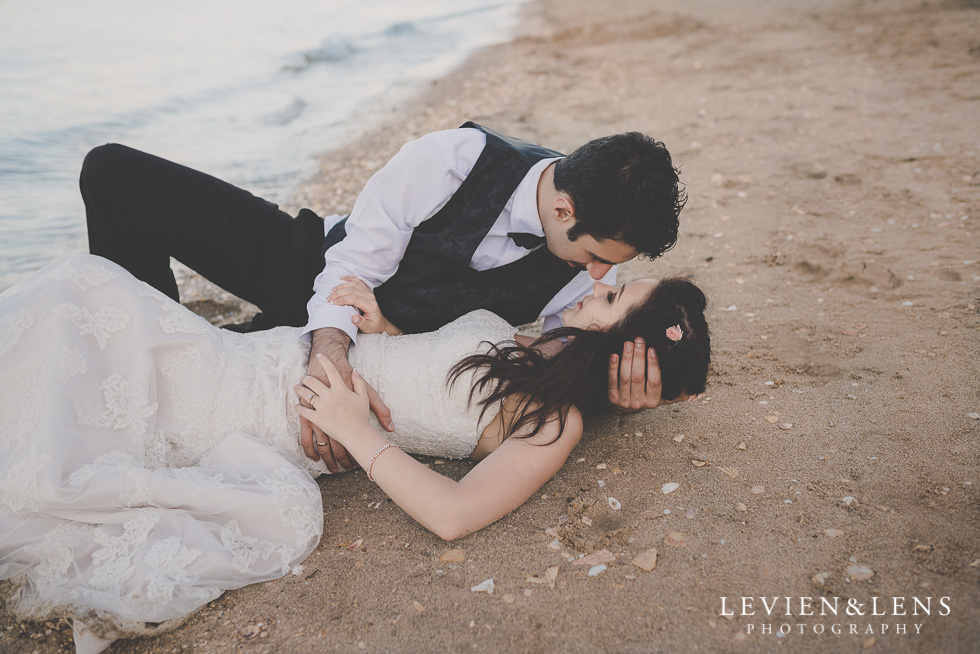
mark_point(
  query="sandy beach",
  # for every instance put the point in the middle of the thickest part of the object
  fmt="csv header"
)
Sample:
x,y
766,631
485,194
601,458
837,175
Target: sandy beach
x,y
831,153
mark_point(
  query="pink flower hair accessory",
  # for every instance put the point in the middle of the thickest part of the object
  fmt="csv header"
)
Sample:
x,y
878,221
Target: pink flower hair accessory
x,y
675,333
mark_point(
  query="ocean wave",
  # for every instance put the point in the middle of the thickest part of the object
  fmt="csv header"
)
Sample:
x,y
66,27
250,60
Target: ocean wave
x,y
401,28
333,50
287,114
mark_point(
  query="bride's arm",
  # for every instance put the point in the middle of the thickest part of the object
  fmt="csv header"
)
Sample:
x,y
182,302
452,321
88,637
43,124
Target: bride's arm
x,y
497,485
500,483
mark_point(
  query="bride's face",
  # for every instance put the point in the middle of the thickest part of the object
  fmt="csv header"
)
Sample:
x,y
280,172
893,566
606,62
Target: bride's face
x,y
606,305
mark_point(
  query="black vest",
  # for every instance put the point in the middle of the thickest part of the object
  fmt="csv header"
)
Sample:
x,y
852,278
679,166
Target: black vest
x,y
434,283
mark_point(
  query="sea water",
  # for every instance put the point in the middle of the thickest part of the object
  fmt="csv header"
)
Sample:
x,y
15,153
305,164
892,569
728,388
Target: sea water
x,y
247,90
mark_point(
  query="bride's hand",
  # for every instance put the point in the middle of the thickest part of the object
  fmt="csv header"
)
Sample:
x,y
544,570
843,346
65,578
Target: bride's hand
x,y
336,409
356,293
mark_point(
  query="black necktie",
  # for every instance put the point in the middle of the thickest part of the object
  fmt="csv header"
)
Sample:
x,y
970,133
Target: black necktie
x,y
525,240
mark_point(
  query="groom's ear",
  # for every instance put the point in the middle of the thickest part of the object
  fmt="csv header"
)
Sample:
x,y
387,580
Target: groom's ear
x,y
563,208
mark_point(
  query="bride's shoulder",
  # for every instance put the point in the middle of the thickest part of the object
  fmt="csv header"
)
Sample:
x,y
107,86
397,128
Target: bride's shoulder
x,y
569,429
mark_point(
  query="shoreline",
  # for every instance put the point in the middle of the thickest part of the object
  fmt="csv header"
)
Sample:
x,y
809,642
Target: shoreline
x,y
831,162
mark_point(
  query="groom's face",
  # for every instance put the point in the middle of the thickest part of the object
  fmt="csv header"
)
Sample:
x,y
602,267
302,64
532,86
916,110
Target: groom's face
x,y
587,253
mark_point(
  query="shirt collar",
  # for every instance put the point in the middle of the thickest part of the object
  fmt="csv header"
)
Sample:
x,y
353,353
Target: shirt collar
x,y
524,211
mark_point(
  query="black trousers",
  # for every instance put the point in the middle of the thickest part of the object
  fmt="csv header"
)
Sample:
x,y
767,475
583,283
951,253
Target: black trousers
x,y
142,210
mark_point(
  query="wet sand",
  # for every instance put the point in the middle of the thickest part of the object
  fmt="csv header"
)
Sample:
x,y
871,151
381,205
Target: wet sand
x,y
830,151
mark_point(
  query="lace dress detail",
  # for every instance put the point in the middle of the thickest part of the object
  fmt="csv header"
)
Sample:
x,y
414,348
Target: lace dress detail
x,y
150,461
409,372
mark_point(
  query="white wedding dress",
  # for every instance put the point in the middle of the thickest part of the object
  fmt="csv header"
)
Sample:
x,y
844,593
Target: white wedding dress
x,y
150,461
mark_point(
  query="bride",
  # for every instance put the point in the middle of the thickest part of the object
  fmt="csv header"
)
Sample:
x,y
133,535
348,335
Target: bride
x,y
150,461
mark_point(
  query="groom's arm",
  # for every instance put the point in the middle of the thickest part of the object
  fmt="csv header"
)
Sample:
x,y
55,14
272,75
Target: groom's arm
x,y
333,344
409,189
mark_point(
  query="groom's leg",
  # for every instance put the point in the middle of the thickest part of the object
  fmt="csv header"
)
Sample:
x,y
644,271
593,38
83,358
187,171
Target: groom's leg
x,y
142,209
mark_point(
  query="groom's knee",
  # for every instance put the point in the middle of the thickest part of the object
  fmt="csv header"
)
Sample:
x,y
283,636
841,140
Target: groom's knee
x,y
104,158
102,162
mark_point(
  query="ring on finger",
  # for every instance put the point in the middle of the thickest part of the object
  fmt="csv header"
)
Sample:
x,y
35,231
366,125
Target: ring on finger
x,y
322,444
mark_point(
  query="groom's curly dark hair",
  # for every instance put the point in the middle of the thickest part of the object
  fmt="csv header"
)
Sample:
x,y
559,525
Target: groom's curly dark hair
x,y
624,187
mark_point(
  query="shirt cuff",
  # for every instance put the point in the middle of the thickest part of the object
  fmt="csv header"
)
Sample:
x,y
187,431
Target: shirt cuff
x,y
329,315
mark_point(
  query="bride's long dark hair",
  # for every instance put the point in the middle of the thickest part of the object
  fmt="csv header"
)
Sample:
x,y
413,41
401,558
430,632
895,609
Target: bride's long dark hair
x,y
577,375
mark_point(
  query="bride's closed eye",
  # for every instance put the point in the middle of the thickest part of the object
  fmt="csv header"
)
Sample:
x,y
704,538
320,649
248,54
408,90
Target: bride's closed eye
x,y
609,296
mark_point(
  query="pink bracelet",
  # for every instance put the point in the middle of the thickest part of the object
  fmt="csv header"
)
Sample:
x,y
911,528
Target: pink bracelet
x,y
375,456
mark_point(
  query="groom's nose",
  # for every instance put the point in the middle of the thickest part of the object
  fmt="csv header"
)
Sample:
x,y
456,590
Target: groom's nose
x,y
598,270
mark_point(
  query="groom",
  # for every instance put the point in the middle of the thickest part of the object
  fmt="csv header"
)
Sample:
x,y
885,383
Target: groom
x,y
457,220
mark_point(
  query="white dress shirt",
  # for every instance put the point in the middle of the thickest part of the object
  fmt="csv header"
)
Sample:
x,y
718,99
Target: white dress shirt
x,y
411,188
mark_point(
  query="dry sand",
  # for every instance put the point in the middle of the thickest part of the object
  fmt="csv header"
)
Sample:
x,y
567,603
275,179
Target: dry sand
x,y
830,150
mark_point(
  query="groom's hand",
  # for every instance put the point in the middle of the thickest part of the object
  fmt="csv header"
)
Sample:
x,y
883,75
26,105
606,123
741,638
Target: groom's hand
x,y
333,344
316,443
634,379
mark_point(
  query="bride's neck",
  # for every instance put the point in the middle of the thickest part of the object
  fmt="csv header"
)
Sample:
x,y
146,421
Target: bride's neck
x,y
526,341
549,350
